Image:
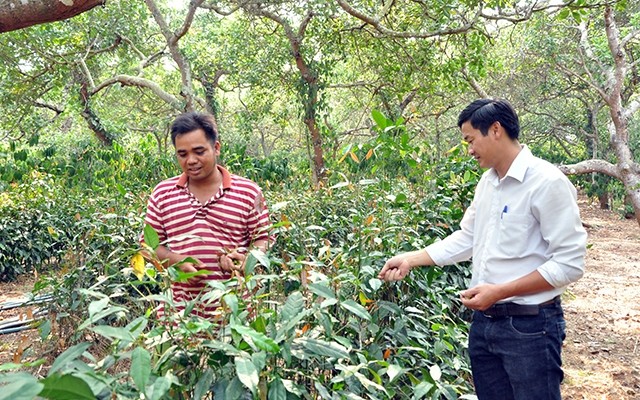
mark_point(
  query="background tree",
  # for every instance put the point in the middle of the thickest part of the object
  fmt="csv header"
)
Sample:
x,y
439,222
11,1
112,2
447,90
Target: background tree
x,y
614,79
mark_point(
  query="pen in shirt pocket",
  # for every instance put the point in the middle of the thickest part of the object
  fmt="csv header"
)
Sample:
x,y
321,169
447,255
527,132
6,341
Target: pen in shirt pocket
x,y
504,211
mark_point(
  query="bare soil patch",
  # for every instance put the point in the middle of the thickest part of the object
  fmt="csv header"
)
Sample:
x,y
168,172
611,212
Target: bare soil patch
x,y
601,352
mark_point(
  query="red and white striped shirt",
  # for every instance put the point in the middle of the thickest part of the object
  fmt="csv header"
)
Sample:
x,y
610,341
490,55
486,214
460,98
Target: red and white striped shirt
x,y
234,218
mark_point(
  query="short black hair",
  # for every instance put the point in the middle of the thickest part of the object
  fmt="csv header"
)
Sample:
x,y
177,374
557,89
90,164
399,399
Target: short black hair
x,y
191,121
482,113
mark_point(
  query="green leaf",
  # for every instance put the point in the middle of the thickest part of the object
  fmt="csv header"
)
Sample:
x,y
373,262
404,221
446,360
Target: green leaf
x,y
277,390
393,371
322,289
261,341
101,314
293,306
10,366
422,389
322,348
261,257
375,284
379,118
136,327
159,388
435,372
247,373
322,391
353,370
250,264
45,329
564,13
231,300
111,332
140,370
68,355
97,306
203,384
19,386
64,387
121,189
234,390
151,237
356,309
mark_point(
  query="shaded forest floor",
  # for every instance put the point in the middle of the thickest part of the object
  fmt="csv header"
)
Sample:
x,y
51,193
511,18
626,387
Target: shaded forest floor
x,y
602,350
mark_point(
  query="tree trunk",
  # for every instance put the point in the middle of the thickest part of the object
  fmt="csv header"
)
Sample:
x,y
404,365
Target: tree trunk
x,y
102,133
310,85
603,198
626,170
18,14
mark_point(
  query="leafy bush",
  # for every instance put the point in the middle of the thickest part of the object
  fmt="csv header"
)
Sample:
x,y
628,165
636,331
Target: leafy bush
x,y
319,324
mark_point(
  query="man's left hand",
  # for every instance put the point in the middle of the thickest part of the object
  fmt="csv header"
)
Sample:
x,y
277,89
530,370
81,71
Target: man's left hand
x,y
480,297
232,261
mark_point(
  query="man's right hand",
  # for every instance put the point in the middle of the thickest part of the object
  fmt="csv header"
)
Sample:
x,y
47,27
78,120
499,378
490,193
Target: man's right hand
x,y
395,269
188,267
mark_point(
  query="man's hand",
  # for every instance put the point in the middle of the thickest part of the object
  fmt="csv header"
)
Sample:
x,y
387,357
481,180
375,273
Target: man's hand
x,y
188,267
395,269
481,297
232,261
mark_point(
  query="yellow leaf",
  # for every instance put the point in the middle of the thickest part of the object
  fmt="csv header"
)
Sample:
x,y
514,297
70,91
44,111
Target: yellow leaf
x,y
363,299
354,157
52,231
137,264
369,220
369,154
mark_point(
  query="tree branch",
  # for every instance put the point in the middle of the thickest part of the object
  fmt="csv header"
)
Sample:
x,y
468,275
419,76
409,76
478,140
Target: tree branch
x,y
172,41
588,166
128,80
21,14
474,84
374,22
619,73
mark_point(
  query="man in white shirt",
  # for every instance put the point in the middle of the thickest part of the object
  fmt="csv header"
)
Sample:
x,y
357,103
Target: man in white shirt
x,y
524,234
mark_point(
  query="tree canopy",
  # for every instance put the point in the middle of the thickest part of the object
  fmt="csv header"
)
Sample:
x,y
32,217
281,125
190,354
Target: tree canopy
x,y
305,76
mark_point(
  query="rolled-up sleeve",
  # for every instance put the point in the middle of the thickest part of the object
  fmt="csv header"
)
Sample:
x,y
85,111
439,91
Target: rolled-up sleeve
x,y
556,209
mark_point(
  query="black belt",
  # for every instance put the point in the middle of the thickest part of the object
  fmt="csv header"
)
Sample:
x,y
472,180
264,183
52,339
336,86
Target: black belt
x,y
517,310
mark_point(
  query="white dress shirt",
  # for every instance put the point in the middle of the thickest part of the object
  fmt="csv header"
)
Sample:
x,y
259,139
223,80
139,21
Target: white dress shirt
x,y
527,221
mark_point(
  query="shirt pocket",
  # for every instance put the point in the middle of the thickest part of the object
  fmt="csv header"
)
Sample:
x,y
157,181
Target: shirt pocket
x,y
514,233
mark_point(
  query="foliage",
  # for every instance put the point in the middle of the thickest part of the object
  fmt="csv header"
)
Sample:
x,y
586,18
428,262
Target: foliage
x,y
318,324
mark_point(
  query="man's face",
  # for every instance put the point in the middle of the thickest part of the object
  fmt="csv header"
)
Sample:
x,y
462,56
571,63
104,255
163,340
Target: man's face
x,y
196,155
481,147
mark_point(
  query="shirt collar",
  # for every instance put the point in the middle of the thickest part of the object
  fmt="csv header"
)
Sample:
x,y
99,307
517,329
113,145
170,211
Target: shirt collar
x,y
519,166
226,178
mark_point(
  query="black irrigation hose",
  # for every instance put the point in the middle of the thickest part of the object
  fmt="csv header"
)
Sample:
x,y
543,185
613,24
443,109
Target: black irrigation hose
x,y
17,326
25,302
14,324
16,329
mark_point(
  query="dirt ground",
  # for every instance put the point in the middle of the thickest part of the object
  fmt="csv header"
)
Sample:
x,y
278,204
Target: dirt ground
x,y
602,350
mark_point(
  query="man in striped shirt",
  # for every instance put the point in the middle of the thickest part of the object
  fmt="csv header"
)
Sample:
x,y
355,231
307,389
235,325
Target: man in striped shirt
x,y
205,213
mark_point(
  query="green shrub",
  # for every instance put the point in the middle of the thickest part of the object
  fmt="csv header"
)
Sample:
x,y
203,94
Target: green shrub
x,y
319,323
